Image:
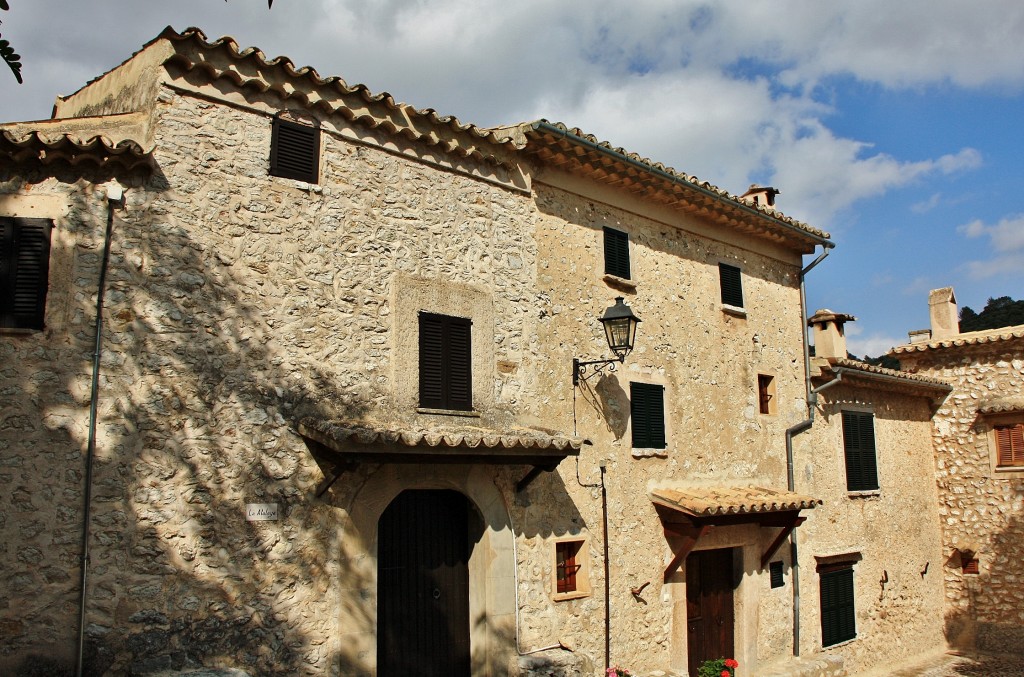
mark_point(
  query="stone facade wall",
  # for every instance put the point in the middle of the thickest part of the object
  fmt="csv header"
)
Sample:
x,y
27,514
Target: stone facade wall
x,y
981,509
893,533
237,303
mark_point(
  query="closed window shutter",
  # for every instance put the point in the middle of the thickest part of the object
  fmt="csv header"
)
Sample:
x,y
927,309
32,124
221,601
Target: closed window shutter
x,y
295,151
859,449
732,285
1010,444
446,380
24,272
838,615
616,253
647,411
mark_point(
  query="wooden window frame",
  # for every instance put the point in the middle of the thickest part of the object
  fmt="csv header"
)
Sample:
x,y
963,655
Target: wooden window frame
x,y
860,452
647,415
766,397
24,272
570,552
445,362
837,599
989,434
1009,445
616,253
295,149
730,280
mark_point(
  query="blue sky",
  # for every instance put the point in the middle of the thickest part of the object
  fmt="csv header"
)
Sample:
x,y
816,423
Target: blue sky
x,y
898,127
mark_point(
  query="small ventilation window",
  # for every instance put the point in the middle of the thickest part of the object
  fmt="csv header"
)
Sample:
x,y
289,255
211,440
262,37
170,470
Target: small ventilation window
x,y
766,393
295,149
732,285
775,574
571,570
616,253
970,566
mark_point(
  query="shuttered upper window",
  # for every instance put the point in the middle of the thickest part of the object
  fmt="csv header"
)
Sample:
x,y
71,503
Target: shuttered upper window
x,y
838,617
732,285
24,272
1009,445
859,449
445,362
616,253
295,151
647,411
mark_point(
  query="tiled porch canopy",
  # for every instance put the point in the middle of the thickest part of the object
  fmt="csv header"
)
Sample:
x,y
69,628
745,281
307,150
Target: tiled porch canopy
x,y
690,513
353,444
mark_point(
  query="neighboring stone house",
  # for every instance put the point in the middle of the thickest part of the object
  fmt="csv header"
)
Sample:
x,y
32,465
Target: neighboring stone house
x,y
979,456
346,416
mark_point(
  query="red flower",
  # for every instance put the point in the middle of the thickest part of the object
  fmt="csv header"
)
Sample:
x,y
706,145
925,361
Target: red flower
x,y
725,673
730,663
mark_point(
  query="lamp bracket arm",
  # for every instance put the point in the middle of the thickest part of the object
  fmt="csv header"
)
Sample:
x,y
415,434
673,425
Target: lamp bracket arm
x,y
579,368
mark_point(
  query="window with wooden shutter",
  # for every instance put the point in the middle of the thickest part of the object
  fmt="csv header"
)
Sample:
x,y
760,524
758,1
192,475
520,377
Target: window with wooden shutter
x,y
24,272
566,565
732,285
859,450
446,380
1009,445
647,413
295,150
616,253
775,574
838,615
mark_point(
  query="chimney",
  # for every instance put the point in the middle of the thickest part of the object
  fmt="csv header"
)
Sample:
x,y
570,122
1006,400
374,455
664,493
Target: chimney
x,y
943,313
829,335
760,195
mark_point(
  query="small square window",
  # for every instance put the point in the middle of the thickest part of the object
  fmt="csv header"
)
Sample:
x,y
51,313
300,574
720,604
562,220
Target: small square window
x,y
445,362
295,150
766,393
732,285
970,565
838,616
859,450
775,574
616,253
571,571
24,272
647,413
1009,445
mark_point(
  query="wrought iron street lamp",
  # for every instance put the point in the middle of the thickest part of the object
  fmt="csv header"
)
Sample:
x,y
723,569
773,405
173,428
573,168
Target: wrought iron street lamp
x,y
620,331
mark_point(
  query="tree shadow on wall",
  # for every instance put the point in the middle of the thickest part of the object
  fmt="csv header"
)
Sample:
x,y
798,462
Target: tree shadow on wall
x,y
217,340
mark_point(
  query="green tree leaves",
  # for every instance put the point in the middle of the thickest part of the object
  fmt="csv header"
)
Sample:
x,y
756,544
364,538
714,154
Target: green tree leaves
x,y
7,53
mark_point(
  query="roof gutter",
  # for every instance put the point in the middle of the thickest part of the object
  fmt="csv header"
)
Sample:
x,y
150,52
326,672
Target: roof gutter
x,y
545,126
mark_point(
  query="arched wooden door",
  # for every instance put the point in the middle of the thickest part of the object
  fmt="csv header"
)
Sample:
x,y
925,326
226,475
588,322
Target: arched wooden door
x,y
423,586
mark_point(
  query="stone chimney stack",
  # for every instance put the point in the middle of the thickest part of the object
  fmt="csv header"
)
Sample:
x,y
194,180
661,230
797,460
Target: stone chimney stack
x,y
829,335
761,195
942,309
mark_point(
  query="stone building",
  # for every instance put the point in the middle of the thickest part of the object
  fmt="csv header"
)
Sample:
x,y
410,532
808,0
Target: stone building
x,y
979,457
350,409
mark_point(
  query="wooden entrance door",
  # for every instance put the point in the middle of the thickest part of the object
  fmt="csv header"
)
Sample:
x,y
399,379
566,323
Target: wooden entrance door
x,y
423,586
709,606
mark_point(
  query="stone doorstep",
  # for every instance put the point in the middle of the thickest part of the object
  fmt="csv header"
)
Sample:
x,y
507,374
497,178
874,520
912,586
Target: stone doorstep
x,y
818,666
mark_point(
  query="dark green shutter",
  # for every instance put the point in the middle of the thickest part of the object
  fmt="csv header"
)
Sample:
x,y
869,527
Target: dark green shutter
x,y
616,253
775,574
732,285
859,449
24,272
295,151
446,379
838,617
647,411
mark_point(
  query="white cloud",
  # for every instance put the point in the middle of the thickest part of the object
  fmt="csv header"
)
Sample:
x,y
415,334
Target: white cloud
x,y
872,345
926,206
1006,239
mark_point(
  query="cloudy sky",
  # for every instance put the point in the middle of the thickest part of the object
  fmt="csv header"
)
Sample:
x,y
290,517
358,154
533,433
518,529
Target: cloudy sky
x,y
896,126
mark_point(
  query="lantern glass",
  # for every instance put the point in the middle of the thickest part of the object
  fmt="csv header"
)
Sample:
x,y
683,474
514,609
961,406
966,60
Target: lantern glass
x,y
620,328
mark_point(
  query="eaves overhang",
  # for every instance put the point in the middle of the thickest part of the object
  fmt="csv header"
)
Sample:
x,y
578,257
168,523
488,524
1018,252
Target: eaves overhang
x,y
572,150
963,341
857,373
352,444
51,141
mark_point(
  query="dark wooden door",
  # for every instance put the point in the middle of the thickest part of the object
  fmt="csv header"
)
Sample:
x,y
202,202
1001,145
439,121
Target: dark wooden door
x,y
423,586
709,606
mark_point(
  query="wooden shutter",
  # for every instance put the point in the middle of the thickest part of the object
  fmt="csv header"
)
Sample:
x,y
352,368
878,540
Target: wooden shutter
x,y
295,151
616,253
838,617
446,379
859,449
24,272
732,285
775,574
566,565
1010,445
647,410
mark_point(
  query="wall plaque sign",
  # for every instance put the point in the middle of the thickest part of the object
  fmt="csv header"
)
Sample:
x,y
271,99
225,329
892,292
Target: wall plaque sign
x,y
261,512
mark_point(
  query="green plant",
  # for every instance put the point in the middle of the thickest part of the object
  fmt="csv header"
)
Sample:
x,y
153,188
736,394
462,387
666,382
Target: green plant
x,y
618,672
720,667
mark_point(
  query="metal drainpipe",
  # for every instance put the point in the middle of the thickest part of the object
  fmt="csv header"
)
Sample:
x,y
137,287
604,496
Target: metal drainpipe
x,y
607,585
115,197
792,431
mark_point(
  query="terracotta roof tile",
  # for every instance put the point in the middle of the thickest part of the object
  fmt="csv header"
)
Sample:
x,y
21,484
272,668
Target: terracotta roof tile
x,y
717,501
870,370
972,338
